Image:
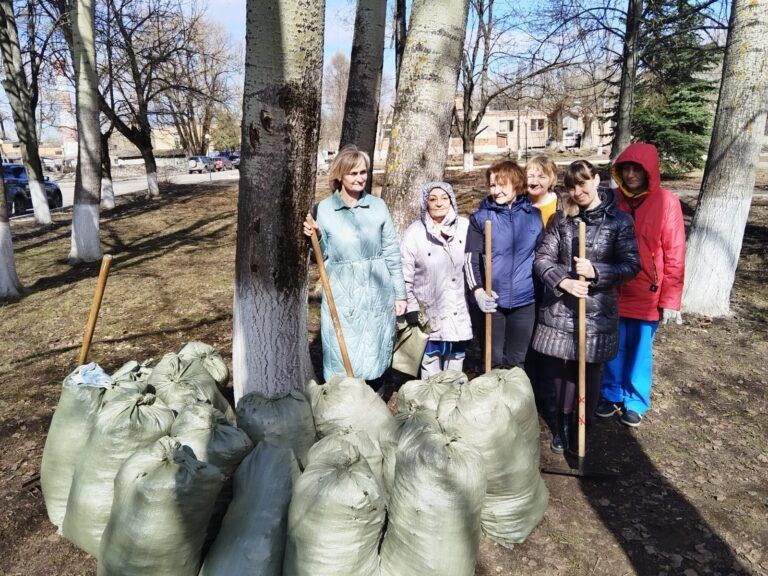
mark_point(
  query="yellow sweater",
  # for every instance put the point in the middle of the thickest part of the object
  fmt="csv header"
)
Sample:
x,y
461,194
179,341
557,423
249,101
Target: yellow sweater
x,y
548,210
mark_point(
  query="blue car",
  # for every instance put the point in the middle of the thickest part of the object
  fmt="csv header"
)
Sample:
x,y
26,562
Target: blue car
x,y
17,195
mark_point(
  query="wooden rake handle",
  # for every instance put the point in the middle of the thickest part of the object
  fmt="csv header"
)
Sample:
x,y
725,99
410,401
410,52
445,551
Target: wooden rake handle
x,y
488,278
582,351
101,284
329,298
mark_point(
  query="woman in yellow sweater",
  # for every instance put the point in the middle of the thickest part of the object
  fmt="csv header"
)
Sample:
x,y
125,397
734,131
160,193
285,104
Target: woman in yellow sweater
x,y
541,174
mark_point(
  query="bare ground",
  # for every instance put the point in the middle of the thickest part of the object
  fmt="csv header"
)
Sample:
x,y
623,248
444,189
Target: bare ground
x,y
692,496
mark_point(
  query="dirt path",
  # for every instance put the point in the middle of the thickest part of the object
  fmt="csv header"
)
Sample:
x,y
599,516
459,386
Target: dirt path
x,y
693,494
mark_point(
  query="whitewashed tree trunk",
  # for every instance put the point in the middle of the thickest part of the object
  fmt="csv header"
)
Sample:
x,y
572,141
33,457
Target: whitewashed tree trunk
x,y
717,230
10,286
469,160
107,188
361,108
23,107
85,244
418,145
622,131
150,167
281,119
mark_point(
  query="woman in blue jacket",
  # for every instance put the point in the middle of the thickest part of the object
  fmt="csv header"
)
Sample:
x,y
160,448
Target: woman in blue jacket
x,y
362,257
516,228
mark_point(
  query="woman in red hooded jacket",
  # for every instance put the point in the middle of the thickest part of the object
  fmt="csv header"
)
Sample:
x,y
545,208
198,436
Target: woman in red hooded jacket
x,y
654,294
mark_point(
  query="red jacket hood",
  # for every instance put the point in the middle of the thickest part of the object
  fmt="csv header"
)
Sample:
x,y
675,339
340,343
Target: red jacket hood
x,y
647,156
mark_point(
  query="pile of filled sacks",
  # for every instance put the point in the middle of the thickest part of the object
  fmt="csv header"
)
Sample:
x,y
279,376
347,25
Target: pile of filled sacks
x,y
151,470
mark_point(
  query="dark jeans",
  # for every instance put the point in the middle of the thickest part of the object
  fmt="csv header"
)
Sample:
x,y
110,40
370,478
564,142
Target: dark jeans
x,y
563,376
511,331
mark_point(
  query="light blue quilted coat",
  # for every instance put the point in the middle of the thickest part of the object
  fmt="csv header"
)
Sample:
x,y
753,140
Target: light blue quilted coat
x,y
362,256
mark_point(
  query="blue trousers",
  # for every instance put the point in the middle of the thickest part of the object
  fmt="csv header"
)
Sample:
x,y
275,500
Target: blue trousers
x,y
627,378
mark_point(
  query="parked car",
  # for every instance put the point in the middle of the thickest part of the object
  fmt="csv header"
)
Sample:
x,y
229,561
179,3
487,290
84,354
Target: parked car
x,y
572,139
17,195
200,164
222,163
235,159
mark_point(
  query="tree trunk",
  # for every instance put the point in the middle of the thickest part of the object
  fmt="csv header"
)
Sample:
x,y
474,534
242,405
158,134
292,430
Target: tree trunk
x,y
107,189
150,167
622,131
468,145
23,110
281,120
361,108
85,246
418,145
10,286
717,230
400,32
587,138
555,121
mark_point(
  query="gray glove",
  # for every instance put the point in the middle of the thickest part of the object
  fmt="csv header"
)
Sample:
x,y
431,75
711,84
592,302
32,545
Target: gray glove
x,y
486,303
668,316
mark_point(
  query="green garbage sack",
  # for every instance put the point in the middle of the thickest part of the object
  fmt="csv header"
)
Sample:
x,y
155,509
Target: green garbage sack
x,y
251,541
132,372
369,449
516,496
67,435
427,392
409,346
180,381
518,396
412,420
211,438
336,516
434,511
210,358
348,403
163,501
127,422
283,421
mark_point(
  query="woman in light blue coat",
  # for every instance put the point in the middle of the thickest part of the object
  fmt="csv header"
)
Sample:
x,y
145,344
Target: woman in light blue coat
x,y
362,257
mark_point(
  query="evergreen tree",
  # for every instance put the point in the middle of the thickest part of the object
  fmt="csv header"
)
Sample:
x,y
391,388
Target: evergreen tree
x,y
674,98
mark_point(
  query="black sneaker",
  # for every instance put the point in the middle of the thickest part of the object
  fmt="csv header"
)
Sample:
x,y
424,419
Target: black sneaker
x,y
606,409
631,418
558,444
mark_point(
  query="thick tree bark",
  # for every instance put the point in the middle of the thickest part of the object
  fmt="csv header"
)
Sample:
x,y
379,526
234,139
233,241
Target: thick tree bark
x,y
622,132
587,138
361,108
23,106
10,286
281,120
85,246
717,230
418,145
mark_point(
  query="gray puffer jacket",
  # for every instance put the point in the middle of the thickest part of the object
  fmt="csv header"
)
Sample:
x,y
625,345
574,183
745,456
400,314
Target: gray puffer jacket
x,y
612,250
433,262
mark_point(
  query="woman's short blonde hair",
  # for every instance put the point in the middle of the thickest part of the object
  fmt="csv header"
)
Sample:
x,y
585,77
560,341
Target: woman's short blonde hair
x,y
546,165
344,162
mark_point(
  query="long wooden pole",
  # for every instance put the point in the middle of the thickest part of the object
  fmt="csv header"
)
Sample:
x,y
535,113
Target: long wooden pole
x,y
582,353
329,299
488,278
101,284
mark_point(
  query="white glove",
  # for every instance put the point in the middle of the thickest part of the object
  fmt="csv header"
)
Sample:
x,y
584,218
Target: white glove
x,y
486,303
669,315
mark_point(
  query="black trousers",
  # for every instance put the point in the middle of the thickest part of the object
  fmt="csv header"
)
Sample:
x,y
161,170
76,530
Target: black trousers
x,y
511,332
563,376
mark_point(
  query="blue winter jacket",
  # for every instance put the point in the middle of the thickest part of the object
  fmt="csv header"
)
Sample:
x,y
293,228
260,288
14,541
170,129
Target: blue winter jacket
x,y
515,233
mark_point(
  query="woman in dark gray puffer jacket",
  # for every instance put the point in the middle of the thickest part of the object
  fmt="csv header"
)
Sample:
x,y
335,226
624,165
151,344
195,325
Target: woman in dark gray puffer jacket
x,y
611,259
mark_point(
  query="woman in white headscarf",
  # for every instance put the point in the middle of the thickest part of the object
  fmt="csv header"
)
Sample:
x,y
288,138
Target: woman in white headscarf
x,y
432,254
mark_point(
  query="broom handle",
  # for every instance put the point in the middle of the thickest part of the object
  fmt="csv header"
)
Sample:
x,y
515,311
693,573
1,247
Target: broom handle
x,y
329,298
488,278
582,349
106,261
